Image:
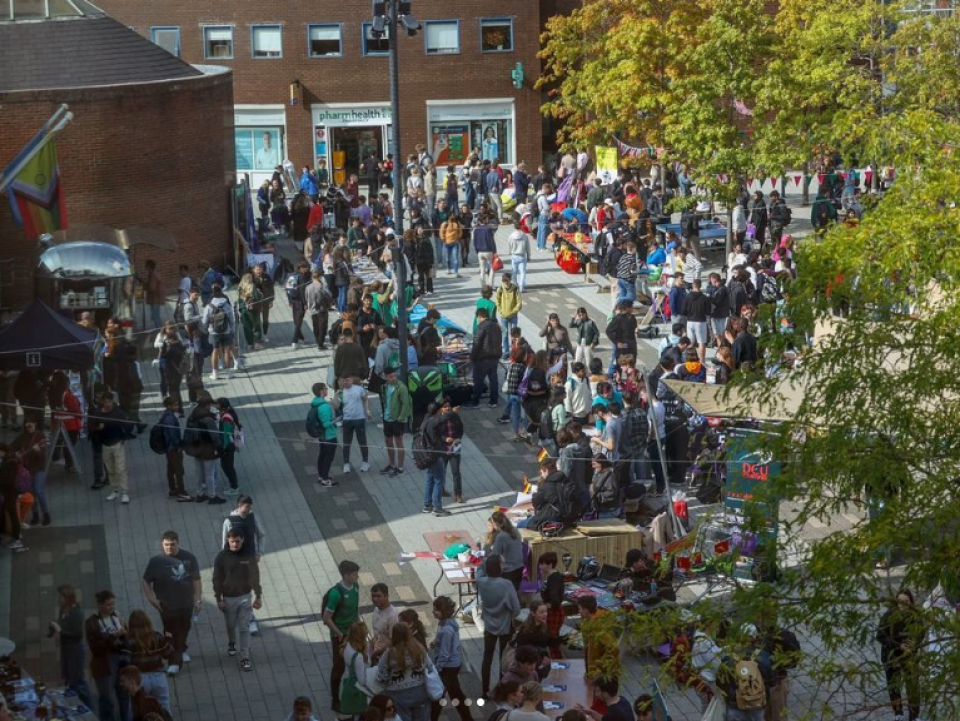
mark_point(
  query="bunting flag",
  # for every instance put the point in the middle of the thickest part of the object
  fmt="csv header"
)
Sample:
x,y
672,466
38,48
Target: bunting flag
x,y
632,151
807,180
867,176
749,182
36,200
820,178
773,181
796,180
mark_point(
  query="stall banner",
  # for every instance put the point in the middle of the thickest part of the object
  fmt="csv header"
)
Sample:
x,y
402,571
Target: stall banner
x,y
747,468
606,164
36,198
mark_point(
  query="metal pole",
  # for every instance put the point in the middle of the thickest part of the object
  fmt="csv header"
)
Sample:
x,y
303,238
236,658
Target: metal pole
x,y
677,527
401,265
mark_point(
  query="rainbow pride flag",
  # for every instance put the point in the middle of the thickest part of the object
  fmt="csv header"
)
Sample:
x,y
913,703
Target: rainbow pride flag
x,y
36,198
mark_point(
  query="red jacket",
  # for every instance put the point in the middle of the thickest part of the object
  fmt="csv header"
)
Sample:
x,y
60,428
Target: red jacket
x,y
69,412
316,216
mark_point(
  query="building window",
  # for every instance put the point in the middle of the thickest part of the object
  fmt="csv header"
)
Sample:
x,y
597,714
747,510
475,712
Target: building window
x,y
442,37
496,35
373,45
218,43
324,41
167,38
266,41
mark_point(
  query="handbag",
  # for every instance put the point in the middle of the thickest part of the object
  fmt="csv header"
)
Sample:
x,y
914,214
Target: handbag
x,y
496,263
371,684
435,687
352,699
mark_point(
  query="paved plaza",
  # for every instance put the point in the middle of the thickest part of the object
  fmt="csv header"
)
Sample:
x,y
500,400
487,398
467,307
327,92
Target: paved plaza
x,y
368,518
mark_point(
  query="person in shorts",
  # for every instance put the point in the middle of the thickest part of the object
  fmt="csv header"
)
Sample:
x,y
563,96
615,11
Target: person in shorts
x,y
218,319
697,307
397,411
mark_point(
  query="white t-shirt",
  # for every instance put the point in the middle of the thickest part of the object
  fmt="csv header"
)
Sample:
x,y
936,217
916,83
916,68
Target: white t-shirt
x,y
184,289
354,408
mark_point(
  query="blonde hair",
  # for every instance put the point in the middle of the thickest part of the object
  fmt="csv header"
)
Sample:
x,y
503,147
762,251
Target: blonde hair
x,y
142,631
357,638
403,646
246,286
531,692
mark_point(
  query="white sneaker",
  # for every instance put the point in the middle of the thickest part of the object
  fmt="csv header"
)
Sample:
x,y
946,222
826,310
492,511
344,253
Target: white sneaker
x,y
124,498
294,346
186,657
213,376
173,669
364,467
347,468
265,339
113,496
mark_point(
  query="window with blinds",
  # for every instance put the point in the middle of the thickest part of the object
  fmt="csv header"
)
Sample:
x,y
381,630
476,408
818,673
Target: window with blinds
x,y
267,41
218,43
167,38
442,37
324,41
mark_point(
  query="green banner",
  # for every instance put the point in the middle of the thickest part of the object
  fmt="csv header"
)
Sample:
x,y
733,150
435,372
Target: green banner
x,y
747,470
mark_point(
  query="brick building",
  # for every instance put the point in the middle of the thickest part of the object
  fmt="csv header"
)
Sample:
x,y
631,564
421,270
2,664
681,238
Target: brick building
x,y
150,145
310,81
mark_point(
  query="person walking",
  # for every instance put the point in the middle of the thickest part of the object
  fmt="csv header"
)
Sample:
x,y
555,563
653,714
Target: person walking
x,y
543,214
446,656
231,433
432,430
328,434
221,325
243,519
499,605
588,336
509,304
485,353
173,450
296,288
901,637
202,442
485,245
68,628
319,301
113,429
341,609
453,434
451,231
171,584
29,449
264,284
354,402
107,639
235,577
519,254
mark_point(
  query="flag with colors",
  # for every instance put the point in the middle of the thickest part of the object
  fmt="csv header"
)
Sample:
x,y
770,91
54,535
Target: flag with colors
x,y
36,198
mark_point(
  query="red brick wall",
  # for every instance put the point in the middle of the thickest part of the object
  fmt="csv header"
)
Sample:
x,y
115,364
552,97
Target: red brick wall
x,y
159,155
353,77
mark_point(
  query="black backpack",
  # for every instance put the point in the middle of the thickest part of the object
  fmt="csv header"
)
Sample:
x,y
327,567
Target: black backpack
x,y
423,454
769,293
158,443
572,506
787,214
219,323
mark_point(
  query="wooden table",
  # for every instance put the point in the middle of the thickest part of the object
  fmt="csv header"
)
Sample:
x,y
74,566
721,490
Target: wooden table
x,y
577,690
606,540
461,577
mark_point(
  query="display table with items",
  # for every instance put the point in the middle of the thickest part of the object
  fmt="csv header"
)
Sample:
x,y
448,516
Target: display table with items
x,y
605,540
29,699
453,551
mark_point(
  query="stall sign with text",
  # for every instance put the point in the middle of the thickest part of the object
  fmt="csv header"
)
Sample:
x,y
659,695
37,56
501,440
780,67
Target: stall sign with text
x,y
747,469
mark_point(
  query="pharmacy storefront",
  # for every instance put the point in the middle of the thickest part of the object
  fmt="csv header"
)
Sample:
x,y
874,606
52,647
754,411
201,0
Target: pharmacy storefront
x,y
259,138
346,134
455,127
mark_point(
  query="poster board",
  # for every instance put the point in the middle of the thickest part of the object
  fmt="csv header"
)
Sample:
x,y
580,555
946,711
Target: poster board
x,y
451,143
747,470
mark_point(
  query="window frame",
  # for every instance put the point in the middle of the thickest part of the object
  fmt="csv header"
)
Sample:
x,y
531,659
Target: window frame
x,y
153,36
253,46
501,20
339,27
364,27
426,47
233,41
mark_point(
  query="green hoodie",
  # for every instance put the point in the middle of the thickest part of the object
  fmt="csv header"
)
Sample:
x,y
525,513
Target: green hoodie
x,y
325,414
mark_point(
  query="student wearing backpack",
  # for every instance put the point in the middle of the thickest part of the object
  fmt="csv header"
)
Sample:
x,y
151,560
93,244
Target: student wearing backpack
x,y
230,433
341,609
746,677
170,440
322,409
220,323
435,441
202,443
780,217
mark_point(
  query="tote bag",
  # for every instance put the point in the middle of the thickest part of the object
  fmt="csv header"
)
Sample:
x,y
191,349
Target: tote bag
x,y
352,699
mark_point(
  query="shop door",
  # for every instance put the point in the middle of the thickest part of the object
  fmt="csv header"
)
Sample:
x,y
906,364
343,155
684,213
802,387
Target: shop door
x,y
356,144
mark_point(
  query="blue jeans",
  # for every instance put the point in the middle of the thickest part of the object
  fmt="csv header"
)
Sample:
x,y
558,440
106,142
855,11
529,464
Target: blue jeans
x,y
155,317
518,264
111,696
438,250
542,231
40,491
627,290
505,325
514,411
155,684
452,255
433,487
341,298
485,370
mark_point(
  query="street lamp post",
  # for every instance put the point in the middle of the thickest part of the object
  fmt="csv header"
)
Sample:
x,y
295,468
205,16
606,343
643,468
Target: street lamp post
x,y
388,17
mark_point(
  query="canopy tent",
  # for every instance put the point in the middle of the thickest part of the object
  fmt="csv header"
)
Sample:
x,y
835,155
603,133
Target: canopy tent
x,y
731,402
43,339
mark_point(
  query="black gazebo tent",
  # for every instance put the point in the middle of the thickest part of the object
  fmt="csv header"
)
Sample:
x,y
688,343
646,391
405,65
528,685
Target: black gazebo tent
x,y
42,339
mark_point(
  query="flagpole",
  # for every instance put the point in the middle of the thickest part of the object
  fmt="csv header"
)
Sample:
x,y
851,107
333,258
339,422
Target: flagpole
x,y
53,127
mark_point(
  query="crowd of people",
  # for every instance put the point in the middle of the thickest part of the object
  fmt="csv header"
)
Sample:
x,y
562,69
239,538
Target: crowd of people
x,y
605,432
